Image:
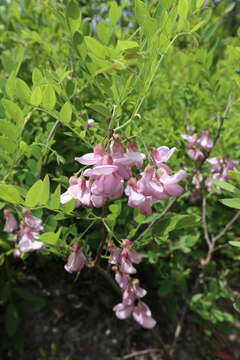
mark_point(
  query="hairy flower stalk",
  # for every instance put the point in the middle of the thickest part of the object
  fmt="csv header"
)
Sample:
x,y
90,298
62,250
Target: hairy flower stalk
x,y
131,305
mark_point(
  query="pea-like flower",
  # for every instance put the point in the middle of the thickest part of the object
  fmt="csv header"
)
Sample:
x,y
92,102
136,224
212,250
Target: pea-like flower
x,y
76,260
10,221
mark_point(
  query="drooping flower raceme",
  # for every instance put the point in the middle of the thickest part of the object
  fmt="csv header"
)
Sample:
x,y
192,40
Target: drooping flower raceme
x,y
131,305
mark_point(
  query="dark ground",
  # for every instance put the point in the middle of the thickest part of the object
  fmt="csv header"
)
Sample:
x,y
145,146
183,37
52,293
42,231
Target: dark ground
x,y
78,319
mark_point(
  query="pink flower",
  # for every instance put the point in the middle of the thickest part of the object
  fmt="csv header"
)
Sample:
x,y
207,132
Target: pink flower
x,y
123,311
220,169
191,139
132,291
122,279
205,141
115,254
126,263
138,291
92,158
136,199
154,185
79,190
196,143
29,233
133,255
76,260
131,157
128,296
142,314
34,223
195,153
11,222
161,155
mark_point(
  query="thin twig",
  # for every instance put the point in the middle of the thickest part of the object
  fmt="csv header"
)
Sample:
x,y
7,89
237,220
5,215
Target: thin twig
x,y
153,222
204,222
53,130
227,226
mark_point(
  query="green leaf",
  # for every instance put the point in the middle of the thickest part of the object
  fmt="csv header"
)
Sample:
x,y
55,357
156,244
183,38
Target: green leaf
x,y
224,185
235,243
13,110
126,44
140,11
183,8
150,26
104,31
55,199
37,77
66,113
49,97
10,86
69,206
9,129
114,13
45,190
198,26
232,203
34,194
22,90
80,45
101,109
8,145
73,16
9,193
49,238
95,47
11,320
36,97
199,3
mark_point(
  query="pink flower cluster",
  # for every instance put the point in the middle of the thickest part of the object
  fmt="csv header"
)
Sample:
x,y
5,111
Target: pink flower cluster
x,y
197,143
76,260
131,305
155,183
29,230
110,169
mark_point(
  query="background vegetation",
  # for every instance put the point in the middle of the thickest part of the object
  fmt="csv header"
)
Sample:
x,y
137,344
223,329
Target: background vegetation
x,y
148,71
